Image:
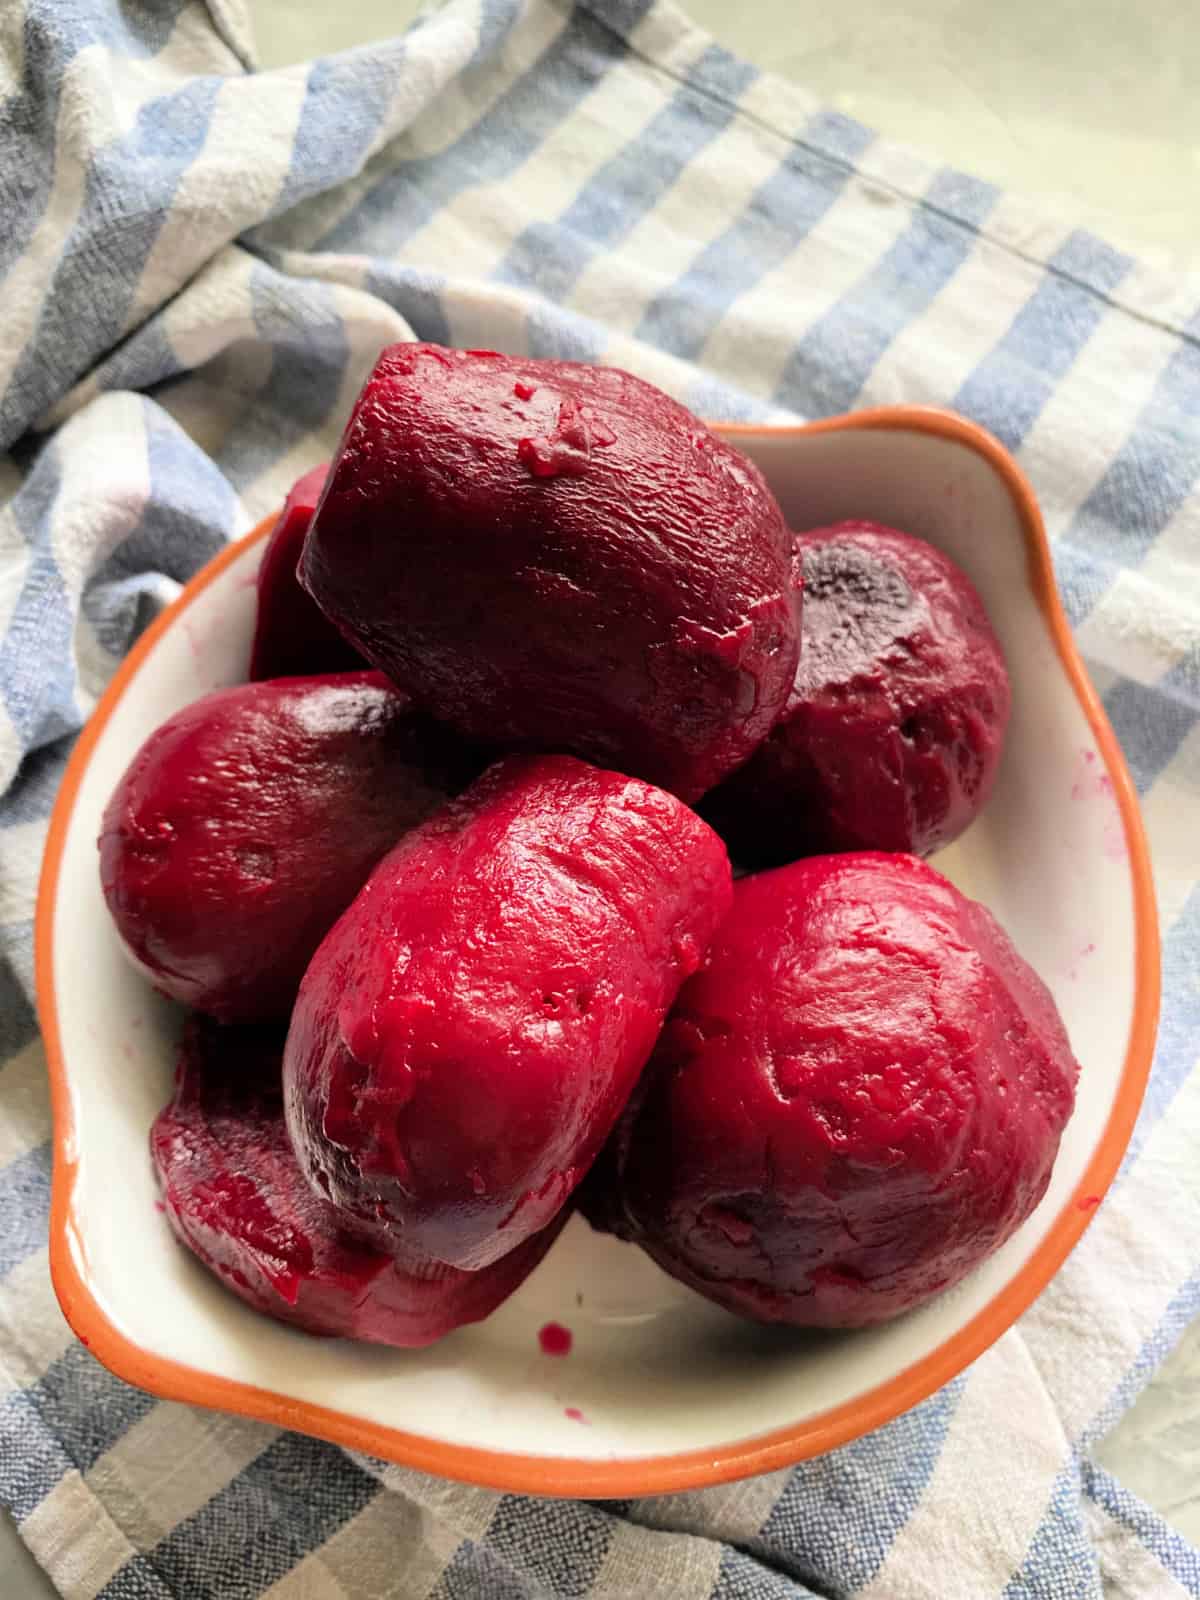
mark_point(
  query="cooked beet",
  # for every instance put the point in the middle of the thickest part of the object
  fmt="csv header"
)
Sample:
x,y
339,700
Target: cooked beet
x,y
291,633
248,822
558,557
853,1105
468,1032
895,725
235,1197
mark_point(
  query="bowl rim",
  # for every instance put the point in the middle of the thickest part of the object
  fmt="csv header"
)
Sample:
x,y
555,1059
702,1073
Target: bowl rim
x,y
519,1472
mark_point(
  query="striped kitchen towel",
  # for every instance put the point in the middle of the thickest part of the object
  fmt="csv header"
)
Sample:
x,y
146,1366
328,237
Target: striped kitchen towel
x,y
200,263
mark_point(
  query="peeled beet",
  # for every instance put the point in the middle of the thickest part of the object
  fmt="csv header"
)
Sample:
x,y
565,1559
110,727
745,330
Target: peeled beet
x,y
853,1105
247,823
895,725
235,1197
291,634
556,556
468,1032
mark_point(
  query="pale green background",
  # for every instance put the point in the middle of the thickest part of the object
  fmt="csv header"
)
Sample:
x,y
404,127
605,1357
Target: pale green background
x,y
1092,105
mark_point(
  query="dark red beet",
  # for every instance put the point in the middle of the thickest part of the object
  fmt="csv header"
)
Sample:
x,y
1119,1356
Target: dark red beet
x,y
555,556
235,1197
895,725
291,634
469,1031
858,1100
248,822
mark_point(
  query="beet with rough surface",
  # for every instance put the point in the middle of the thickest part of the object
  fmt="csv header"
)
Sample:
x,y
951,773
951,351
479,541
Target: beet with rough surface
x,y
554,556
856,1102
234,1195
469,1031
249,820
292,635
895,725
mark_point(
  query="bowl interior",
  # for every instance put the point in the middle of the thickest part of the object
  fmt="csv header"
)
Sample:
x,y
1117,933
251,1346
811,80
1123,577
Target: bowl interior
x,y
654,1372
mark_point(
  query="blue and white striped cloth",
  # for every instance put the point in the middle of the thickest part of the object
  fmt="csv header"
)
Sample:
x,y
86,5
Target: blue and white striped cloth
x,y
201,262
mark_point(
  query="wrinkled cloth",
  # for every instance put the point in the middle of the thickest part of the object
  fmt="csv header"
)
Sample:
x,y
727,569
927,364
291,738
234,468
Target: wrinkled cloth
x,y
200,263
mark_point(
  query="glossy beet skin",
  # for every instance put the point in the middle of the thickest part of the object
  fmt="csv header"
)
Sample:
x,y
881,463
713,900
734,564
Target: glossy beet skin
x,y
856,1102
291,634
235,1197
469,1031
559,557
895,725
247,823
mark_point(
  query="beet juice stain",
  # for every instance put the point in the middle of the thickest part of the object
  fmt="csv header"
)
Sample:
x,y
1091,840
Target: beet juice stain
x,y
555,1340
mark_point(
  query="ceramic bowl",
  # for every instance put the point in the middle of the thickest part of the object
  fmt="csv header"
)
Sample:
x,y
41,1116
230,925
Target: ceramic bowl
x,y
660,1390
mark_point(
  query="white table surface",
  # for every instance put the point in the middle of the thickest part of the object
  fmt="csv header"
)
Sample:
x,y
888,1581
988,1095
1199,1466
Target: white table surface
x,y
1090,104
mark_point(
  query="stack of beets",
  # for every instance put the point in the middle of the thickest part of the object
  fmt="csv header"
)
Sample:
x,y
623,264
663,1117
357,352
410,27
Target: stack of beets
x,y
462,955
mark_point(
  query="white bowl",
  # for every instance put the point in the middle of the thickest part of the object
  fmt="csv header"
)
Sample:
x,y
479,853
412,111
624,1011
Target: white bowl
x,y
660,1390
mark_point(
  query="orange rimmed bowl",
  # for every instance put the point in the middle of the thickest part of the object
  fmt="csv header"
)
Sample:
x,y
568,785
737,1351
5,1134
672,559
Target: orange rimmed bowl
x,y
660,1390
